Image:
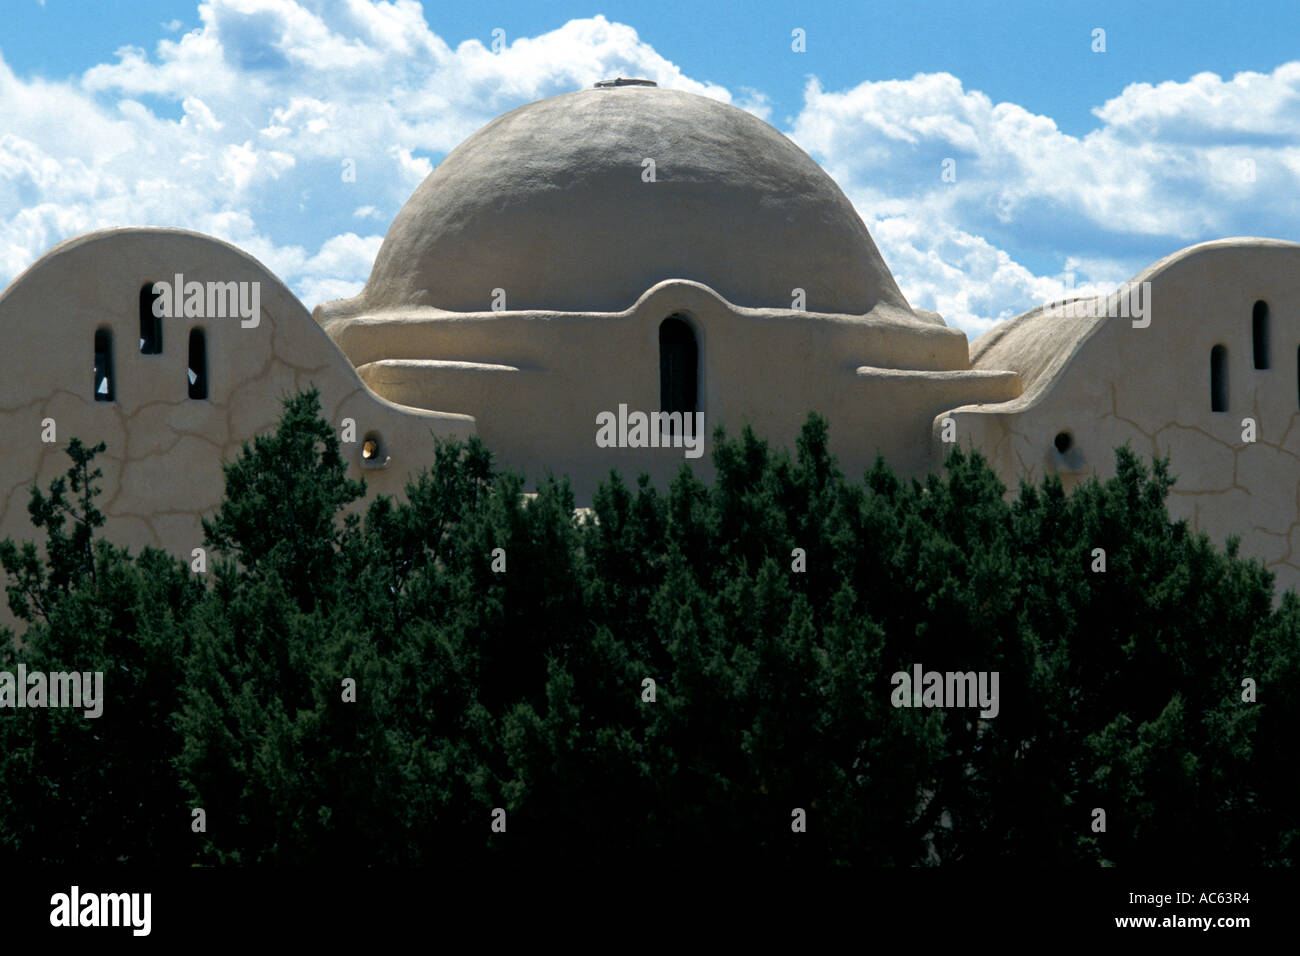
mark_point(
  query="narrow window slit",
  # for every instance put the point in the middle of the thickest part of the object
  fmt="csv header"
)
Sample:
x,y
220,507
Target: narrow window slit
x,y
103,387
1219,379
198,364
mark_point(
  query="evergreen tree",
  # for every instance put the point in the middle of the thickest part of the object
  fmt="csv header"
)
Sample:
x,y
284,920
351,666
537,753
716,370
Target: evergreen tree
x,y
94,789
671,672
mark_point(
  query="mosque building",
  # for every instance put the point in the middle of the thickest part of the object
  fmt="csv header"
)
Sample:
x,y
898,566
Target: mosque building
x,y
588,277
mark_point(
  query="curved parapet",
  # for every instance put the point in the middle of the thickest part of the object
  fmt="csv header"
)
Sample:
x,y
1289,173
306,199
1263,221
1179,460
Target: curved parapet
x,y
87,354
1195,358
536,382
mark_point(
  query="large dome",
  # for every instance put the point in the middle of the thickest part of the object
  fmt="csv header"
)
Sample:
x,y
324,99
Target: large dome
x,y
549,202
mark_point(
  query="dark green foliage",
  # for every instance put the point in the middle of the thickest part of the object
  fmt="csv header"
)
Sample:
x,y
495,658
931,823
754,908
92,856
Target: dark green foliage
x,y
103,789
522,689
282,498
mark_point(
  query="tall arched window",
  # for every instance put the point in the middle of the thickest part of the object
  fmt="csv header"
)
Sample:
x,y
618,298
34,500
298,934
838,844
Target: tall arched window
x,y
150,324
678,366
1259,332
198,365
1218,379
103,365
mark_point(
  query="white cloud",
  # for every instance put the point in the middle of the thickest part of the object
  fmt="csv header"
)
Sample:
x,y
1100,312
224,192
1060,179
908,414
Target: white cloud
x,y
1168,165
345,254
338,271
241,128
270,98
756,102
1207,107
972,283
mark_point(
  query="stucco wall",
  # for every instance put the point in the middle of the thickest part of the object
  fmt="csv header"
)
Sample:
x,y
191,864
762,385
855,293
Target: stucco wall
x,y
535,382
1107,383
162,467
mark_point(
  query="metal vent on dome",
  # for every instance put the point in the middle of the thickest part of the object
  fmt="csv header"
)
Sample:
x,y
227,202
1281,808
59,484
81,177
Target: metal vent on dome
x,y
621,81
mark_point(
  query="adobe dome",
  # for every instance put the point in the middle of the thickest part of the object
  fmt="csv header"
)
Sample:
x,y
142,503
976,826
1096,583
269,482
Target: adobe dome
x,y
548,202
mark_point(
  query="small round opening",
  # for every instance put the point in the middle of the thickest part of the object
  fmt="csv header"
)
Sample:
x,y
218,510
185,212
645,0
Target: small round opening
x,y
1063,441
373,452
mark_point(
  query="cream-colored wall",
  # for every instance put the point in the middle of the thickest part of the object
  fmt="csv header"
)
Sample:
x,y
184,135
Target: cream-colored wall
x,y
162,467
1151,387
535,382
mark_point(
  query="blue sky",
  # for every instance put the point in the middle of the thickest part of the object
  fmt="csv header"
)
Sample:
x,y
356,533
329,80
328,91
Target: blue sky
x,y
1073,166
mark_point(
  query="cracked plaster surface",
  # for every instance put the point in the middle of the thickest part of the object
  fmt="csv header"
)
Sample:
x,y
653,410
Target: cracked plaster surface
x,y
1109,383
162,467
1103,382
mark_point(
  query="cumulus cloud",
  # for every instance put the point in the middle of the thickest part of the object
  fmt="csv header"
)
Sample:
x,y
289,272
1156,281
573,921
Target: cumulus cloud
x,y
275,124
756,102
326,274
289,128
1167,166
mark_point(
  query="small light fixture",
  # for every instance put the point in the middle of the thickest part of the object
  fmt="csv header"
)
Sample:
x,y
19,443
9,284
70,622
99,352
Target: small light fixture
x,y
373,454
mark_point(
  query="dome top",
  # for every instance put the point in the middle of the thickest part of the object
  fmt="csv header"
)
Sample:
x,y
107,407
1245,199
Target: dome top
x,y
625,81
582,202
